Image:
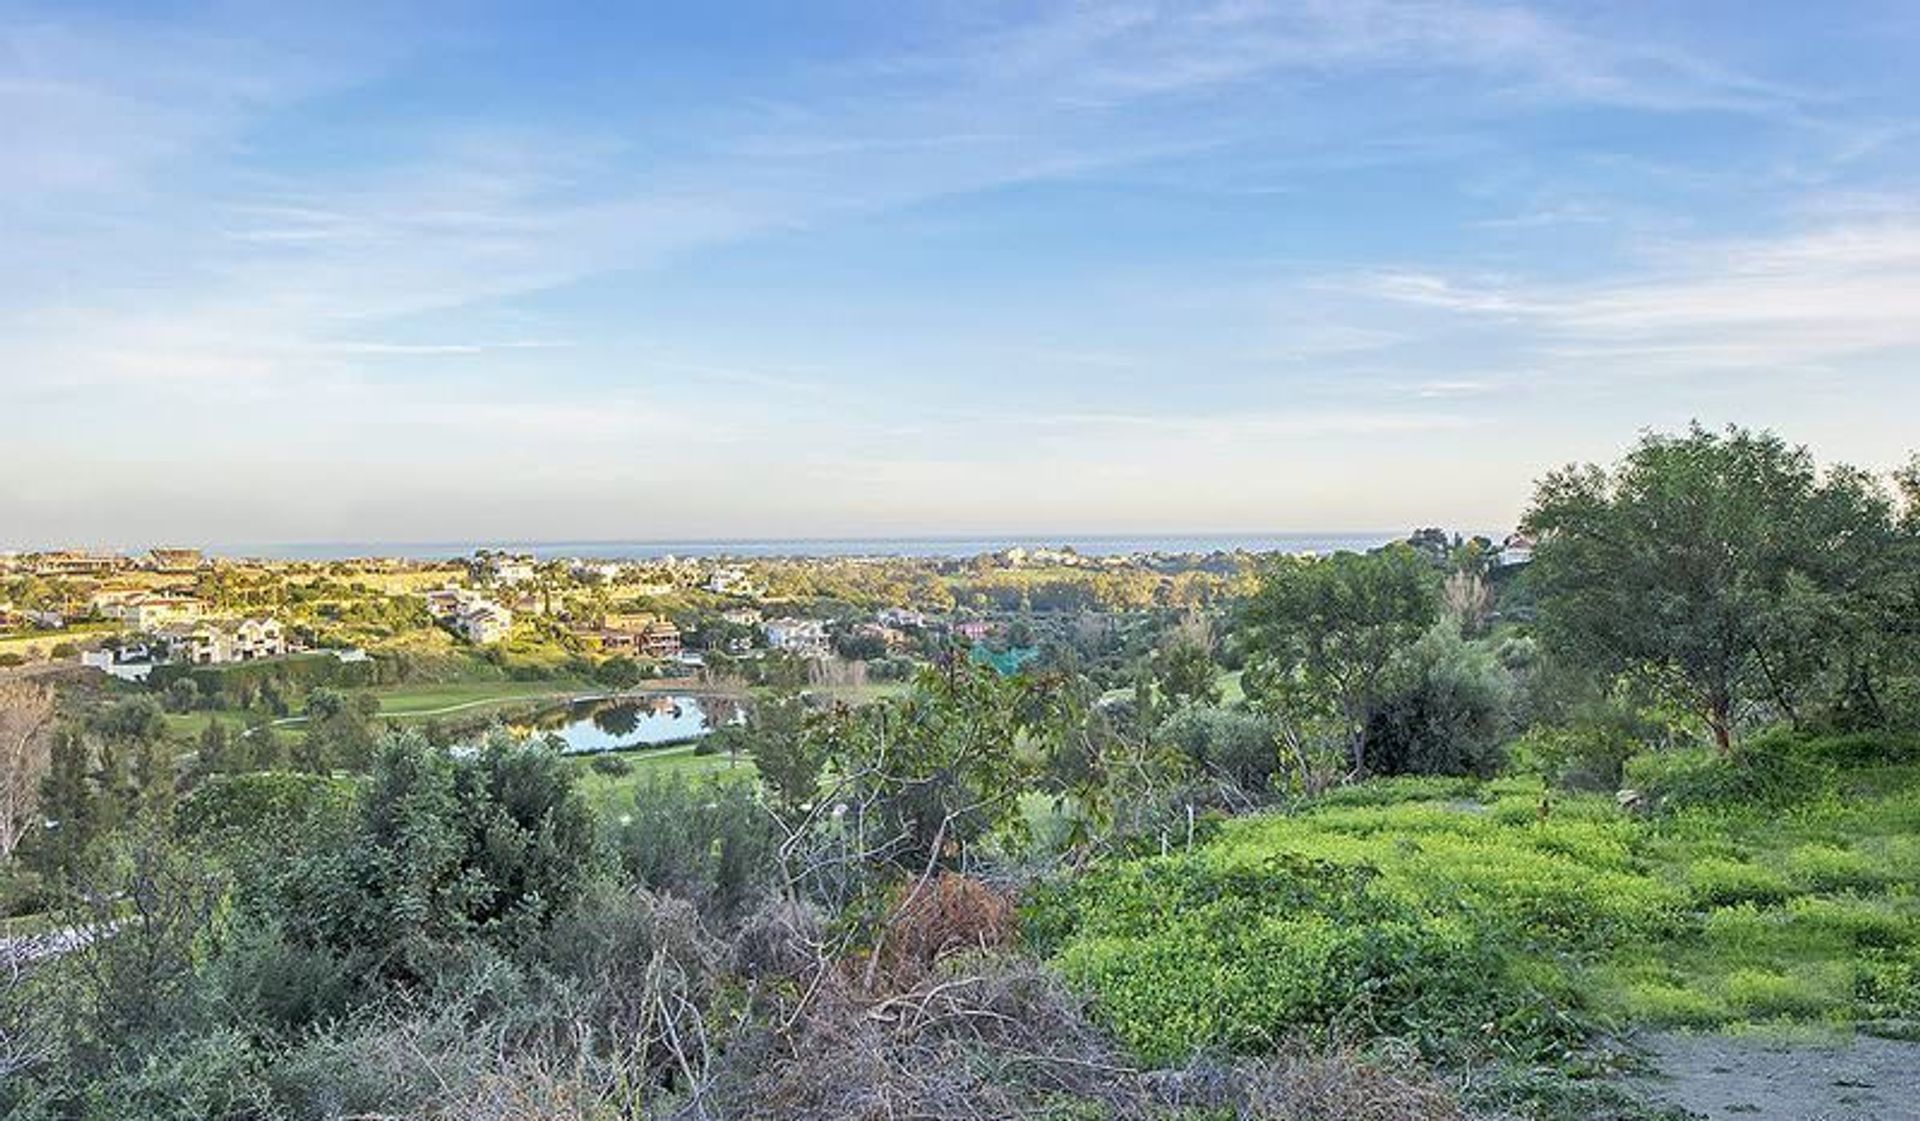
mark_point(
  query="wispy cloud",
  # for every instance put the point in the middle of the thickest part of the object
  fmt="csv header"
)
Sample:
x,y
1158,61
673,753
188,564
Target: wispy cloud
x,y
406,350
470,289
1240,426
1809,298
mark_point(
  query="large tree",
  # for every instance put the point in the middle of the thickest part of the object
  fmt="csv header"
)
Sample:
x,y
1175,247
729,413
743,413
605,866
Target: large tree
x,y
1720,563
1326,629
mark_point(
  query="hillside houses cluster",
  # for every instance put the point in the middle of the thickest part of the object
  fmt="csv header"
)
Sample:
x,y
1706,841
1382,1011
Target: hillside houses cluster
x,y
732,580
1516,550
81,563
806,638
220,641
470,615
148,612
206,642
503,569
638,635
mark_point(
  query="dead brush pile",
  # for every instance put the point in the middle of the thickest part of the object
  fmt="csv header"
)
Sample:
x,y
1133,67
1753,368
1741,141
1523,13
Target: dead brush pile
x,y
930,920
982,1037
996,1036
944,1019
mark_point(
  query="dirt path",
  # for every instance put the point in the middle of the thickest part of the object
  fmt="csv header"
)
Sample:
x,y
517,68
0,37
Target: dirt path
x,y
1732,1078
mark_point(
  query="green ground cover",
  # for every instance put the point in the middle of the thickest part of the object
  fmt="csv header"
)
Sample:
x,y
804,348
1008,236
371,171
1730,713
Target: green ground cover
x,y
430,698
1469,918
609,794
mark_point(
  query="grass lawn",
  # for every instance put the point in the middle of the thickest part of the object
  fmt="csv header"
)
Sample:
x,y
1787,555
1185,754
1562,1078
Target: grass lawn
x,y
433,699
609,794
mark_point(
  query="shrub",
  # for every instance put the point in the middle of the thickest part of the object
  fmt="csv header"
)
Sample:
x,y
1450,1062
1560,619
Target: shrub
x,y
279,987
217,1073
1887,984
1715,882
1874,924
441,853
23,891
1589,749
1765,993
1444,712
607,763
644,967
1191,953
1862,749
1227,743
244,815
1774,769
709,841
1662,1002
1817,867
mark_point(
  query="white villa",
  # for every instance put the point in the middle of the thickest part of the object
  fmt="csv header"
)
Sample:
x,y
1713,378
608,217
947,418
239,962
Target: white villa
x,y
470,615
900,617
218,642
806,637
1517,550
484,623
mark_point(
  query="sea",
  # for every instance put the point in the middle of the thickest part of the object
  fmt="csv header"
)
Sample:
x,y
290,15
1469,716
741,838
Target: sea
x,y
934,547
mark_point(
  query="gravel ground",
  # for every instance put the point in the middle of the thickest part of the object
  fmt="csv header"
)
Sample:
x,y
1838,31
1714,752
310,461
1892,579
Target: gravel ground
x,y
1742,1078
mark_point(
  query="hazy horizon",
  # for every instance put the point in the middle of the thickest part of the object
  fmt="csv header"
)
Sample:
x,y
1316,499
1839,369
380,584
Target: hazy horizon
x,y
926,545
450,273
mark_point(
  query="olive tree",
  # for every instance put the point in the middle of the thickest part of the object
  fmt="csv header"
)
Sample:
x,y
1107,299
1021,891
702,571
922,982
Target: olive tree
x,y
1325,630
1720,564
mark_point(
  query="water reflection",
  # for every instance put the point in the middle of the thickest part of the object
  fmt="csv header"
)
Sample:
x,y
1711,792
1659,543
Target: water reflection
x,y
624,722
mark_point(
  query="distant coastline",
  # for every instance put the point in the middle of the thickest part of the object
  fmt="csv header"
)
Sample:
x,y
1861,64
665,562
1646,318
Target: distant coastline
x,y
923,546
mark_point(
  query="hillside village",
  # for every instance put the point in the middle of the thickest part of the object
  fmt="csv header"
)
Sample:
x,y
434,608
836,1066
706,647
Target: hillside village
x,y
126,614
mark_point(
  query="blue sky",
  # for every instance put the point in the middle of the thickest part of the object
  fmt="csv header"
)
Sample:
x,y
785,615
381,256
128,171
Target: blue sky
x,y
618,271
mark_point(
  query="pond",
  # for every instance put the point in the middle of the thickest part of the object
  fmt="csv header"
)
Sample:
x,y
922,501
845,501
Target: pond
x,y
619,723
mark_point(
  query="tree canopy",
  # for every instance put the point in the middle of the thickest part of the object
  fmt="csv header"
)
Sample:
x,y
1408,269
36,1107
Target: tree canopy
x,y
1724,564
1326,629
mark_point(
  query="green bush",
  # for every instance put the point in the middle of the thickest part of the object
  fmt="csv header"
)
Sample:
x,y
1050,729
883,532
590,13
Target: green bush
x,y
440,855
1444,712
1823,867
1887,984
1774,769
1588,748
706,841
1668,1003
247,813
279,987
1230,744
1765,993
1715,882
607,763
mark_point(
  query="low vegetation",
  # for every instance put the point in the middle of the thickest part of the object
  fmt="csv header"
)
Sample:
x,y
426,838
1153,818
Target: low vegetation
x,y
1497,920
1406,834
